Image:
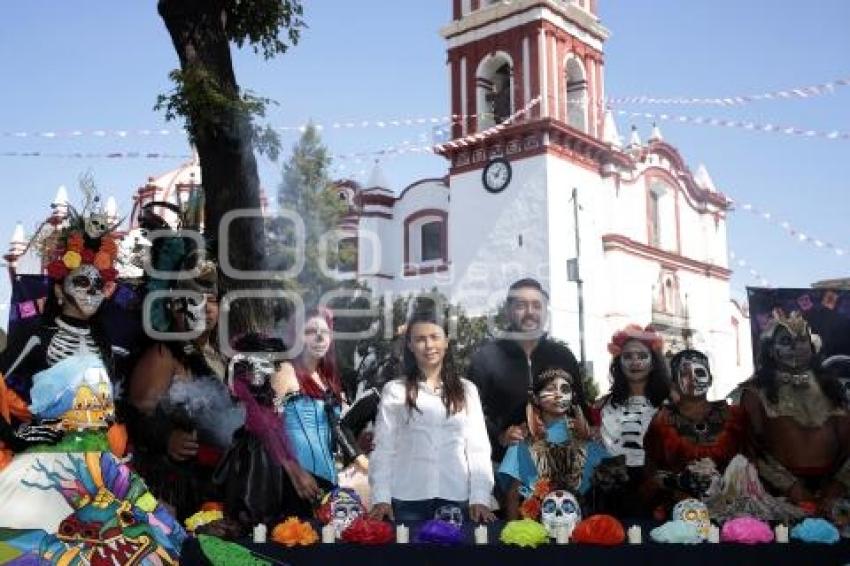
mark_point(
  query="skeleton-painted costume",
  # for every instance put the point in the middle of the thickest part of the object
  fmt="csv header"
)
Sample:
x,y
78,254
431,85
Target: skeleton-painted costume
x,y
624,426
67,497
798,420
677,445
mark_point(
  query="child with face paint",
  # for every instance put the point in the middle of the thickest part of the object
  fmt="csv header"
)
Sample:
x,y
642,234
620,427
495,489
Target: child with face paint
x,y
308,394
690,442
640,384
557,450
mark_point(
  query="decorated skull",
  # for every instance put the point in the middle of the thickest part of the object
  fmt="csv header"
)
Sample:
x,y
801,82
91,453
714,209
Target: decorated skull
x,y
450,514
695,512
340,507
196,306
84,286
560,509
97,224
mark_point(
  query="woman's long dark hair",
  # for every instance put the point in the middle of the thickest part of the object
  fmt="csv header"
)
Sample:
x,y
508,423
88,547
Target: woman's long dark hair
x,y
657,382
453,395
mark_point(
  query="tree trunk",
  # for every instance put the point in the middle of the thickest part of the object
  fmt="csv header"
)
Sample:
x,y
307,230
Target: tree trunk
x,y
228,167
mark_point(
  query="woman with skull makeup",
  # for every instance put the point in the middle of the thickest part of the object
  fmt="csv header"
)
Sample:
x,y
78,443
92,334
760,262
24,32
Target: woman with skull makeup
x,y
176,443
798,423
557,451
640,384
67,488
690,442
308,394
432,452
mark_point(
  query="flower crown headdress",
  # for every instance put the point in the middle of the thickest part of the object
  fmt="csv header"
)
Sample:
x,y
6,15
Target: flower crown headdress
x,y
86,238
649,337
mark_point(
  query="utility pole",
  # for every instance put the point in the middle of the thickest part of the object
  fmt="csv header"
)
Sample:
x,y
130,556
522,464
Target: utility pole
x,y
574,274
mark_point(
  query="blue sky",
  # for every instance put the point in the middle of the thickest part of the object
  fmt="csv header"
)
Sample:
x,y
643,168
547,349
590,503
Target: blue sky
x,y
98,64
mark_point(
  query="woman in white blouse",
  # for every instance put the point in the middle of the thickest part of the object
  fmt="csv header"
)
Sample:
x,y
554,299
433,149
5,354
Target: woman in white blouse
x,y
431,452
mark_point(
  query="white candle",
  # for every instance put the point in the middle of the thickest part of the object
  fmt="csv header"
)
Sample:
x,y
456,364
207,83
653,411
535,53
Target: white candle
x,y
260,533
562,534
481,534
781,532
635,535
328,534
713,534
402,534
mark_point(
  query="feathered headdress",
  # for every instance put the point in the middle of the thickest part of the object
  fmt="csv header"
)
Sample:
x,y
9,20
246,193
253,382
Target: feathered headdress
x,y
794,323
86,238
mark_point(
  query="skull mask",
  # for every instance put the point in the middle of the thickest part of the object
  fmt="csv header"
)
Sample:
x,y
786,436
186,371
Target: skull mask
x,y
340,507
560,509
97,224
196,307
84,286
695,512
450,514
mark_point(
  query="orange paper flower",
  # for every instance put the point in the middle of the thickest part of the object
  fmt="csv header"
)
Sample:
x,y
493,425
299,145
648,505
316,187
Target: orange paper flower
x,y
542,488
600,529
102,260
294,532
108,246
212,506
75,242
530,508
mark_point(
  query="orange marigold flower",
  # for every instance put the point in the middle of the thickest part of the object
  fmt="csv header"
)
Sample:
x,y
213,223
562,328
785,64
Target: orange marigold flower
x,y
542,488
294,532
108,245
530,508
102,261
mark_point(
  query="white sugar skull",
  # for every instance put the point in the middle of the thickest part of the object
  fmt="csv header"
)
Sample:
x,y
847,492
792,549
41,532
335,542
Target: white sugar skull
x,y
695,512
97,224
450,514
340,507
560,509
84,286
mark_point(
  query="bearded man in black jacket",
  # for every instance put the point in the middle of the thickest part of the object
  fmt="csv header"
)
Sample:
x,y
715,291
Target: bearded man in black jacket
x,y
504,368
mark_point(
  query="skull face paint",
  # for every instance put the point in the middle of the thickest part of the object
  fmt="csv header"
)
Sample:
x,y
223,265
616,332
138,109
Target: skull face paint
x,y
791,352
556,397
317,337
450,514
695,512
196,307
692,374
84,288
636,360
560,509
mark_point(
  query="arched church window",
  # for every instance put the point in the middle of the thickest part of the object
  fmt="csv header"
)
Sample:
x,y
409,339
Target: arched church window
x,y
576,81
432,236
494,85
426,238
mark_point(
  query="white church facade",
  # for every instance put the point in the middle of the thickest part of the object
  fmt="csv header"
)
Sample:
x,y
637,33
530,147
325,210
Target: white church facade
x,y
652,234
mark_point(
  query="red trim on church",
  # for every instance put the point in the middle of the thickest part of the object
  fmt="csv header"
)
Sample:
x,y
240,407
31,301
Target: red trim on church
x,y
618,242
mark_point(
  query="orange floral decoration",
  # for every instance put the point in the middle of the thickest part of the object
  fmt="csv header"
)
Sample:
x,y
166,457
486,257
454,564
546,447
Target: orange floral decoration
x,y
294,532
530,508
108,246
102,261
75,242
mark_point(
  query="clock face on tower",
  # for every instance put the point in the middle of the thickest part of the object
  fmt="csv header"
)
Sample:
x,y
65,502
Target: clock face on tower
x,y
497,175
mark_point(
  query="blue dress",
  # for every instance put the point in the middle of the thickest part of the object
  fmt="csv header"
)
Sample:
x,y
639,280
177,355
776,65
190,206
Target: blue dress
x,y
520,463
309,433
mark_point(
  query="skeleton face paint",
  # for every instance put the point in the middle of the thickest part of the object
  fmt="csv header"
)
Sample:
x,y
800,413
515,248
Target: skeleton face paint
x,y
560,509
84,287
317,337
196,307
695,512
556,397
450,514
791,352
636,360
694,378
